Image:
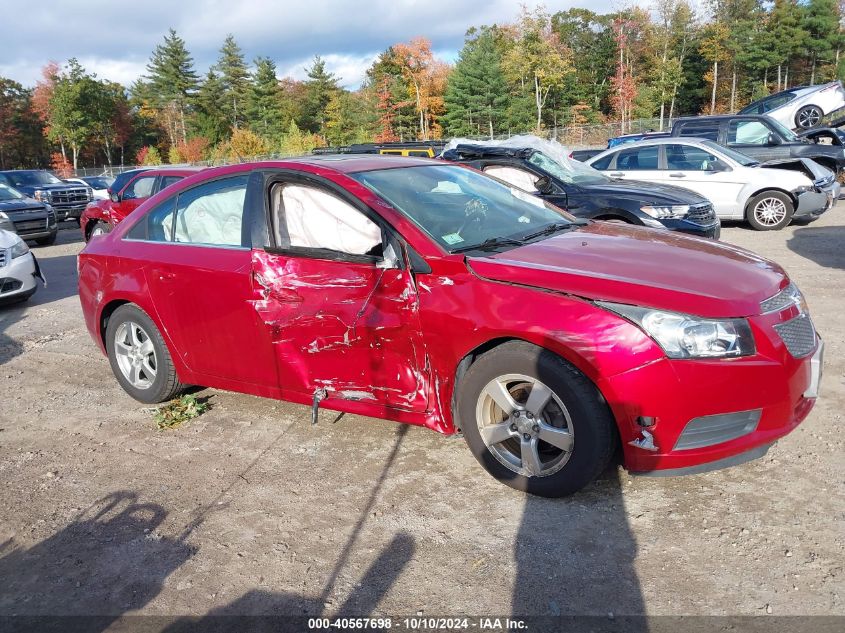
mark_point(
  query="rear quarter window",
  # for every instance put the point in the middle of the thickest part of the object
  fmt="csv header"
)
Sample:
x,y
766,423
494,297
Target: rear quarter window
x,y
708,130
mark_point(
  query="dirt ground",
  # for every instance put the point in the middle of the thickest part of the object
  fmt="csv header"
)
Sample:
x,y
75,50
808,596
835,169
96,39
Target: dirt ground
x,y
248,509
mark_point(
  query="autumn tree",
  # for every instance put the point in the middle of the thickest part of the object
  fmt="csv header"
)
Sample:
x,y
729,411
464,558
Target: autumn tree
x,y
538,57
426,80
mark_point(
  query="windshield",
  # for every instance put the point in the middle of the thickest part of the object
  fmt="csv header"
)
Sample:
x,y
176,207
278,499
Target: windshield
x,y
32,178
460,208
742,159
573,173
97,182
7,194
784,131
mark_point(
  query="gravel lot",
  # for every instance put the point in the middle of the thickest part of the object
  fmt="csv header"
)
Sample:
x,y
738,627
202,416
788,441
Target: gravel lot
x,y
247,509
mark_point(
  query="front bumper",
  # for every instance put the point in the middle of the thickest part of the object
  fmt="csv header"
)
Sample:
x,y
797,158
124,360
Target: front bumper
x,y
770,393
814,203
711,231
69,212
18,277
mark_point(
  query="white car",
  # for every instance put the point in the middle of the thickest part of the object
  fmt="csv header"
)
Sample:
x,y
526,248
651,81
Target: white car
x,y
99,185
737,186
18,269
802,107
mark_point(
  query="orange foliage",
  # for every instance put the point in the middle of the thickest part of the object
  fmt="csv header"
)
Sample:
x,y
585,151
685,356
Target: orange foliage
x,y
60,165
193,150
426,77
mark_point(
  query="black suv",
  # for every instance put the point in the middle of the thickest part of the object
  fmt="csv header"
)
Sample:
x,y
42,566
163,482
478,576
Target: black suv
x,y
587,193
30,219
760,137
67,199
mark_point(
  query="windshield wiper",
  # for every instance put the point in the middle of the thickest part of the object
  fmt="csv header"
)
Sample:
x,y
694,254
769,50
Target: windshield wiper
x,y
490,243
554,227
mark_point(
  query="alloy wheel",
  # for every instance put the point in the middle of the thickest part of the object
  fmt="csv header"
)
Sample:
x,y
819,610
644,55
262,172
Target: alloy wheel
x,y
525,425
770,211
135,355
809,117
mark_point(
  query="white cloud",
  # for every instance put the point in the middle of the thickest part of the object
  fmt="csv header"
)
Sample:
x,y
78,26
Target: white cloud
x,y
349,69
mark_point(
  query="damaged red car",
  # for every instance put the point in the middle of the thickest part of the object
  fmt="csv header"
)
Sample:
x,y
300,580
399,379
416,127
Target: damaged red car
x,y
430,294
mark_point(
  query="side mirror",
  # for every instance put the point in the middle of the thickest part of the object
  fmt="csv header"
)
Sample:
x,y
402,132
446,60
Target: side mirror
x,y
114,197
544,185
390,259
774,139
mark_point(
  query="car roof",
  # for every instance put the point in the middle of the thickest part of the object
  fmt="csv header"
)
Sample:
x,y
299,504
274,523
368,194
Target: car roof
x,y
171,171
721,117
662,140
341,163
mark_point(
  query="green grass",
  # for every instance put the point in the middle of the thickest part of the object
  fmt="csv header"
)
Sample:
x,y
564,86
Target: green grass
x,y
175,412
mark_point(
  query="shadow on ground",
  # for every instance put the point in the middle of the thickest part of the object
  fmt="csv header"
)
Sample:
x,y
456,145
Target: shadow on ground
x,y
821,244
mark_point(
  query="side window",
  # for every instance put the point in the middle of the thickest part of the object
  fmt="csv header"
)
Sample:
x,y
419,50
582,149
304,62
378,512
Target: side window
x,y
603,163
748,133
141,187
520,178
708,130
638,158
688,158
157,225
311,218
212,213
166,181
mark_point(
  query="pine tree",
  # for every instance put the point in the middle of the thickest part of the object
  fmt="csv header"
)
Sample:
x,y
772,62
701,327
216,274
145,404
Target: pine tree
x,y
319,88
264,106
234,75
211,120
476,93
172,83
821,25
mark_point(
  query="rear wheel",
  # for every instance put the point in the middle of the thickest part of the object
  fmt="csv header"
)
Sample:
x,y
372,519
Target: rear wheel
x,y
139,357
808,116
533,421
769,211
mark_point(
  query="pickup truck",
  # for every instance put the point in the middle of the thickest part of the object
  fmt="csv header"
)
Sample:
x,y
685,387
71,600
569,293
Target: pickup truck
x,y
760,137
67,200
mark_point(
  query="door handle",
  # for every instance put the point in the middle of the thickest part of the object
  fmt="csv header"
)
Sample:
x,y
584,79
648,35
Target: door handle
x,y
677,174
617,174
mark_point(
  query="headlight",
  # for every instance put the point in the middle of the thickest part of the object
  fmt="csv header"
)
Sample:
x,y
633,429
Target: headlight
x,y
42,195
665,212
804,189
19,249
685,336
3,217
90,193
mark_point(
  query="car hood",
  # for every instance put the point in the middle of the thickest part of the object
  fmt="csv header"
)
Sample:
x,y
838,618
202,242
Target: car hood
x,y
646,191
13,206
640,266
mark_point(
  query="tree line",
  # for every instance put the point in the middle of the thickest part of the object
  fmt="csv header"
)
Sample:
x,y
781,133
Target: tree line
x,y
541,72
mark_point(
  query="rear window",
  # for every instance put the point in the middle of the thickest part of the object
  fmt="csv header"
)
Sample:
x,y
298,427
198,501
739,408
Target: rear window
x,y
700,129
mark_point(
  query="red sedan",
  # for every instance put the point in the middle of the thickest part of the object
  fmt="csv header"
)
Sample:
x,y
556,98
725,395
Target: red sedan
x,y
430,294
126,193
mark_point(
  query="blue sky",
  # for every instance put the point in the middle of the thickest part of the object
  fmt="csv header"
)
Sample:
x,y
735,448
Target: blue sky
x,y
115,39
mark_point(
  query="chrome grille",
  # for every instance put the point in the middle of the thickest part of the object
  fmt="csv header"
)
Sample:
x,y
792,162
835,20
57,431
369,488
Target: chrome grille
x,y
798,335
2,258
701,214
785,298
69,196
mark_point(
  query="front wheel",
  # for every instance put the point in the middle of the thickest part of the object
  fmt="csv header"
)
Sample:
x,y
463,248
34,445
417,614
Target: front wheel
x,y
139,357
100,228
769,211
533,421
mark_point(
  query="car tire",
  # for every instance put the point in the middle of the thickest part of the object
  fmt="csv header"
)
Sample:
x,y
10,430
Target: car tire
x,y
49,240
513,447
808,116
139,356
99,228
769,211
